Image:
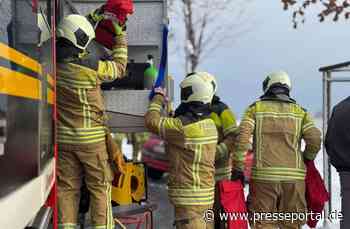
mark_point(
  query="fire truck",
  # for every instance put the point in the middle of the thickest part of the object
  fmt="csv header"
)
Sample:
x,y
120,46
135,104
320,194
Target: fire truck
x,y
28,149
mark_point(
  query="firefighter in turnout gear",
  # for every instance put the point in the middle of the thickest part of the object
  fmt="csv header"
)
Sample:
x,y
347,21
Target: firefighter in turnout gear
x,y
225,122
191,137
81,130
277,124
226,125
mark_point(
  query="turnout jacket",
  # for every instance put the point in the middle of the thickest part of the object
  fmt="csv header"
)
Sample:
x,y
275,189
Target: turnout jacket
x,y
225,122
191,149
277,128
80,106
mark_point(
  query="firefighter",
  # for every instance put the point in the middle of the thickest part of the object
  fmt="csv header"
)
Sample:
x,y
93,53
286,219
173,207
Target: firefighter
x,y
277,124
191,137
226,124
81,130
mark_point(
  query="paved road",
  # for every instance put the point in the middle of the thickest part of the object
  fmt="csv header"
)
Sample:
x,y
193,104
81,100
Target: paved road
x,y
164,216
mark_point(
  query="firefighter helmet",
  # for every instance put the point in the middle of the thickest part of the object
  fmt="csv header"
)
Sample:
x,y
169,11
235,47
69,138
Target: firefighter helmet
x,y
198,87
211,78
77,29
277,78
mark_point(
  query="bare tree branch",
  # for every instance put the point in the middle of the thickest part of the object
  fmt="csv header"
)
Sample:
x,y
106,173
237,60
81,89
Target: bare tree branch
x,y
207,24
333,9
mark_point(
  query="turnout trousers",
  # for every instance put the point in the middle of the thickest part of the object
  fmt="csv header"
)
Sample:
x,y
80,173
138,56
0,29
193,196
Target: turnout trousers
x,y
281,198
89,162
192,217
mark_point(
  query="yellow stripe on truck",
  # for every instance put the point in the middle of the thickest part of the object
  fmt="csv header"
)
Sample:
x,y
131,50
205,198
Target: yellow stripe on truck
x,y
19,58
19,84
50,96
50,80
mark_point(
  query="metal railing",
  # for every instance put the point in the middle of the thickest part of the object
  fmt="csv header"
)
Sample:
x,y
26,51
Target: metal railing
x,y
328,78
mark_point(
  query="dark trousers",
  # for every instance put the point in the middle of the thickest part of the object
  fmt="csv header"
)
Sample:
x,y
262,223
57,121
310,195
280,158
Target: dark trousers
x,y
345,203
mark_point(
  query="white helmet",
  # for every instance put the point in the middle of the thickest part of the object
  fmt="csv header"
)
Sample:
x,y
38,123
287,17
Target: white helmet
x,y
77,29
274,78
211,78
197,87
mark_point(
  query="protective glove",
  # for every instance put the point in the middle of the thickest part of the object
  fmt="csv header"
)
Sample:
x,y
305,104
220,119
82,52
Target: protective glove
x,y
118,29
96,16
120,163
160,91
115,155
237,175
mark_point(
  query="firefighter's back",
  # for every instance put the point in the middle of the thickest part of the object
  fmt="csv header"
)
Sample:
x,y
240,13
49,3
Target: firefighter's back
x,y
80,105
277,141
192,153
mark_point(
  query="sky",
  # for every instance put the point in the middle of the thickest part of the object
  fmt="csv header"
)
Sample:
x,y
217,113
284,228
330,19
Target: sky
x,y
272,44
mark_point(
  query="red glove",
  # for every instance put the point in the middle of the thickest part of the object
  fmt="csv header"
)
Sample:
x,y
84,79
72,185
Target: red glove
x,y
120,9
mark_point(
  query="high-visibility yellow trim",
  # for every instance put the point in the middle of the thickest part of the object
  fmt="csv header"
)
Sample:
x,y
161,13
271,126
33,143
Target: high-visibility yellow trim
x,y
62,141
278,173
18,84
80,135
183,191
19,58
192,200
50,96
50,80
67,226
308,126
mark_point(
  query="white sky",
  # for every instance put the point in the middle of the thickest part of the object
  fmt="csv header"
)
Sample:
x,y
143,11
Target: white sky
x,y
271,45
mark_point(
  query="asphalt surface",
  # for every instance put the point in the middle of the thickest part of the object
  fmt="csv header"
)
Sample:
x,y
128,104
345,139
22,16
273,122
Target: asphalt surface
x,y
164,215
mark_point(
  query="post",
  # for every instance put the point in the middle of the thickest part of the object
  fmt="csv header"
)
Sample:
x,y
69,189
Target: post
x,y
326,165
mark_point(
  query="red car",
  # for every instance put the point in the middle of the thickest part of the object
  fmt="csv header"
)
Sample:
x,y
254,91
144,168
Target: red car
x,y
155,158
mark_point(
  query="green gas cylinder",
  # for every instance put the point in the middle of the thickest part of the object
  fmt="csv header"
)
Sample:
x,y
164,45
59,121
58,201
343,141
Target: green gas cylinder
x,y
150,74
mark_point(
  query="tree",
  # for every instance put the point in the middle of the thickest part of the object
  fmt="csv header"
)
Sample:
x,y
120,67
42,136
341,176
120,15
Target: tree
x,y
334,9
206,25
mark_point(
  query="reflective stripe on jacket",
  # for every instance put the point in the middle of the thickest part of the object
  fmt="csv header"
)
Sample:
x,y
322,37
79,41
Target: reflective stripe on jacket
x,y
277,128
191,152
80,105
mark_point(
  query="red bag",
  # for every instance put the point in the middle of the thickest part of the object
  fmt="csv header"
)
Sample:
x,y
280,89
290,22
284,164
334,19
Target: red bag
x,y
119,9
316,193
233,201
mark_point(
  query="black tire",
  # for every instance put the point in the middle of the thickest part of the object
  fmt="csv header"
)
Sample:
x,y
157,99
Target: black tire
x,y
154,173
